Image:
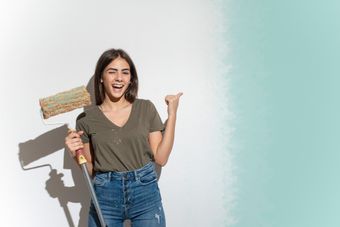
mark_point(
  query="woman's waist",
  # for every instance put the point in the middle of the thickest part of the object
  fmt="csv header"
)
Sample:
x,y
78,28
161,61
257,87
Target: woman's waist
x,y
149,168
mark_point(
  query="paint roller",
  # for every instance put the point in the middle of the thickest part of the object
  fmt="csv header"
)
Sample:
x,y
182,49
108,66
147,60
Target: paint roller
x,y
64,102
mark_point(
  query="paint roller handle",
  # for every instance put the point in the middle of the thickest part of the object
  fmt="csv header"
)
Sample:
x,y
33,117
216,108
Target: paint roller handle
x,y
80,156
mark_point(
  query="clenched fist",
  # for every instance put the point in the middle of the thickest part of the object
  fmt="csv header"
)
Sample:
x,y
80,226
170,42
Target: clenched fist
x,y
73,142
172,101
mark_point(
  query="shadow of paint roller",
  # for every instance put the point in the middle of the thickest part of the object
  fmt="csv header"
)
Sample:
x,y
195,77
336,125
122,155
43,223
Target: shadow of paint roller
x,y
65,102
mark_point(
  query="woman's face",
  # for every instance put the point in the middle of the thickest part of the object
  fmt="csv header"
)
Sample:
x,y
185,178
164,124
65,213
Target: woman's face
x,y
116,78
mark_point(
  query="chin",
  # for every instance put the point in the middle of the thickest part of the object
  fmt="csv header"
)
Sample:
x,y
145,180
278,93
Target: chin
x,y
117,96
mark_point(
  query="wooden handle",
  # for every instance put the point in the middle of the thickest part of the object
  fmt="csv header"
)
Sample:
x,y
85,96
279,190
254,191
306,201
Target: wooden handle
x,y
80,156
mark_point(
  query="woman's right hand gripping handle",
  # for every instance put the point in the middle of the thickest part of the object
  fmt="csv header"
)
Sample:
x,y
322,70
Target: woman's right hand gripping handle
x,y
75,145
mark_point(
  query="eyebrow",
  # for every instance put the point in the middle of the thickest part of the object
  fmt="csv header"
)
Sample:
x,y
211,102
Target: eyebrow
x,y
126,69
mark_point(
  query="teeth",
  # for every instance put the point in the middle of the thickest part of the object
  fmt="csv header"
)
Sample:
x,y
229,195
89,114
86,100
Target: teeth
x,y
117,85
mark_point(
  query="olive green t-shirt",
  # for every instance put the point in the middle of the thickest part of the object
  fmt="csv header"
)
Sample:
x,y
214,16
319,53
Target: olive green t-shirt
x,y
120,148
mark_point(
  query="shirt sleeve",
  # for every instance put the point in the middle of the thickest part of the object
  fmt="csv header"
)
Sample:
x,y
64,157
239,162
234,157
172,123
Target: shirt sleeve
x,y
155,122
81,126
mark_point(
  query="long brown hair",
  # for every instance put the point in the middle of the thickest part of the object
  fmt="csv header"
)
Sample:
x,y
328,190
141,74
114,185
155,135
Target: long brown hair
x,y
105,59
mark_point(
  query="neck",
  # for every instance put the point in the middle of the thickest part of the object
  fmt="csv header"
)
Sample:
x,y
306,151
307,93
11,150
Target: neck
x,y
112,105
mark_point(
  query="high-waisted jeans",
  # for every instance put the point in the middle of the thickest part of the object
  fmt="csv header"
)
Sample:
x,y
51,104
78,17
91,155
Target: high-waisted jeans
x,y
130,195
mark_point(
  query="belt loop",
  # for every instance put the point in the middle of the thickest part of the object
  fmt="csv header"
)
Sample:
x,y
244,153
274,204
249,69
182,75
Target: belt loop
x,y
136,175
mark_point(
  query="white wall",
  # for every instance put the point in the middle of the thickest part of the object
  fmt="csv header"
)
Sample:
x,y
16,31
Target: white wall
x,y
52,46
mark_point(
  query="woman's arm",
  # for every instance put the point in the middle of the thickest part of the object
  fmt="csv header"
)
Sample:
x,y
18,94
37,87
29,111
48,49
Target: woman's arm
x,y
73,142
162,145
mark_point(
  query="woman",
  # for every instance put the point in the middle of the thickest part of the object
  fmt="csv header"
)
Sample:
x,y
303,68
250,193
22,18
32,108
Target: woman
x,y
122,137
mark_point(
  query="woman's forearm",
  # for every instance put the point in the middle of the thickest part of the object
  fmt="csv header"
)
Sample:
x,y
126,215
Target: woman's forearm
x,y
167,141
165,146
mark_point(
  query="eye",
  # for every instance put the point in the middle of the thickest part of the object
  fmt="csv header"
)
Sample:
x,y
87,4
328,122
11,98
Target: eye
x,y
111,72
126,73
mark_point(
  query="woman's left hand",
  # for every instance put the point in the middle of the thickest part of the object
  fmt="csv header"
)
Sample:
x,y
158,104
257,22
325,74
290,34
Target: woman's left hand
x,y
172,101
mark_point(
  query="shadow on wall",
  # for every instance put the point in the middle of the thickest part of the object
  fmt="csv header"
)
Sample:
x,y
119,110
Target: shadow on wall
x,y
49,143
44,145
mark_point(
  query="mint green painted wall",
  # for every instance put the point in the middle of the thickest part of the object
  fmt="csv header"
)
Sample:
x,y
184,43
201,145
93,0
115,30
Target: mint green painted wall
x,y
285,88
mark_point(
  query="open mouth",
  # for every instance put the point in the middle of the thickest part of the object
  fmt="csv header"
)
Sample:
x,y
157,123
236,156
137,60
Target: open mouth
x,y
117,87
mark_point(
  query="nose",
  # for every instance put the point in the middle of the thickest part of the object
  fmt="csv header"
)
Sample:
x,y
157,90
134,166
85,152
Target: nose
x,y
118,76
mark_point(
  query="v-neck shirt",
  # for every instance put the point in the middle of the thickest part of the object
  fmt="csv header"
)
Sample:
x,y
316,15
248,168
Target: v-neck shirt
x,y
122,148
114,124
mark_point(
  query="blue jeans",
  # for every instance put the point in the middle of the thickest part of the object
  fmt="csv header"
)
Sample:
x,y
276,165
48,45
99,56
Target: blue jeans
x,y
130,195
